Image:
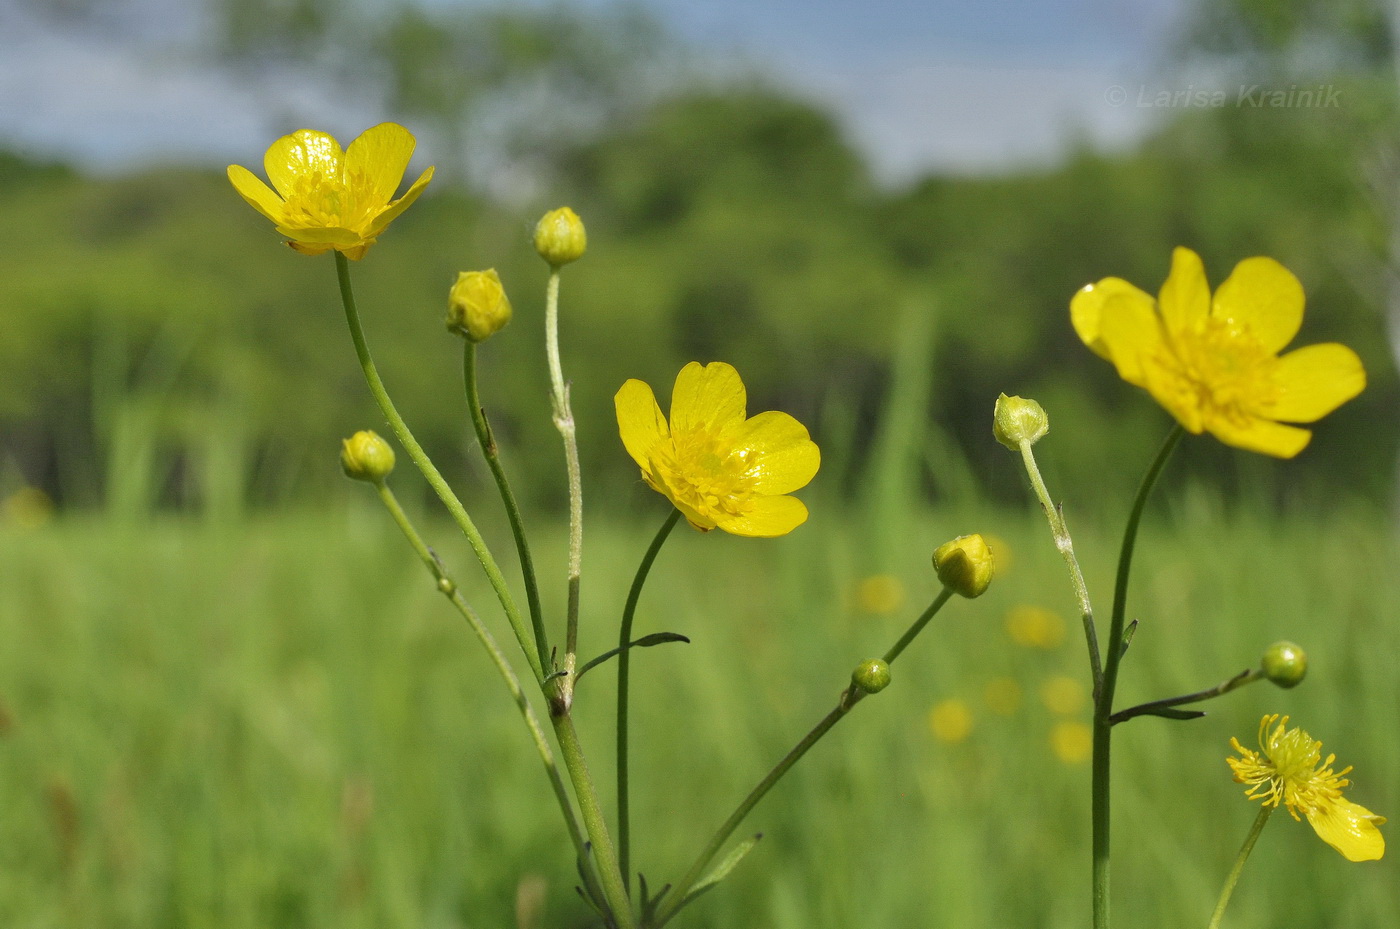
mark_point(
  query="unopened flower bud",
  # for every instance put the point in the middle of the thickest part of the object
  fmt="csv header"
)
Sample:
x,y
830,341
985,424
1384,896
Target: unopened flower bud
x,y
477,307
1285,664
964,565
560,237
872,676
1018,420
366,457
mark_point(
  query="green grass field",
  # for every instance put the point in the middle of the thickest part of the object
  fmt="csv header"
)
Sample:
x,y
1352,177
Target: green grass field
x,y
280,724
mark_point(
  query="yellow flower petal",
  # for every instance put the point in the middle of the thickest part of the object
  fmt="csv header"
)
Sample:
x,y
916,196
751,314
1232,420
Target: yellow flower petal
x,y
259,196
1265,298
1086,309
333,236
1260,435
1185,297
1131,334
381,155
302,154
1315,380
1349,828
784,456
639,421
391,213
709,398
765,518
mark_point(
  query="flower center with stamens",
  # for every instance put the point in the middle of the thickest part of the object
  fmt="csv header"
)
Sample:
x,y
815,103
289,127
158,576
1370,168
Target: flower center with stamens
x,y
704,473
1220,369
319,200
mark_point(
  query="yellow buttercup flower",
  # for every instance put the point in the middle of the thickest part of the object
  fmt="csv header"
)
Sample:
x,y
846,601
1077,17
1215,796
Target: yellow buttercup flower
x,y
950,720
1213,361
323,198
718,467
1289,770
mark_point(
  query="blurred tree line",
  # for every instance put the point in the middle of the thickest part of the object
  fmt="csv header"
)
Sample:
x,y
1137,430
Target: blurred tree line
x,y
161,350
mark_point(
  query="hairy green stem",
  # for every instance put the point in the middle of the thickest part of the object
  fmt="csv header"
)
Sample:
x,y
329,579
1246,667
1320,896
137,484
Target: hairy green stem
x,y
430,471
1065,545
624,666
1233,877
614,890
1103,704
564,422
449,589
675,898
487,441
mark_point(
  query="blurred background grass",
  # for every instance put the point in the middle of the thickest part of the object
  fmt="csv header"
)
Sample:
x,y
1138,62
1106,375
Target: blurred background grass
x,y
229,697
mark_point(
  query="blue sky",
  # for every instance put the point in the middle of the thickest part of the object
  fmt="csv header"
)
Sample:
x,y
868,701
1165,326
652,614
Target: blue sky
x,y
920,86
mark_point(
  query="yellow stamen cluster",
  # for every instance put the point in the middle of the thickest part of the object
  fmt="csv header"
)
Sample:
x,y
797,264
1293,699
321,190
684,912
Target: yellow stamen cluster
x,y
1289,770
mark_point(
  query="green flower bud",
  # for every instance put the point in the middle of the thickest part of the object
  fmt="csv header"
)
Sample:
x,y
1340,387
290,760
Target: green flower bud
x,y
560,237
366,457
1018,420
872,676
1285,664
964,565
477,307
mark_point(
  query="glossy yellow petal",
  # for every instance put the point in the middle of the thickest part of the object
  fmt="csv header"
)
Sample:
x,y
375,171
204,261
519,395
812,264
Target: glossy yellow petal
x,y
1349,828
783,455
259,196
639,421
765,518
1131,334
378,159
334,236
1185,297
1263,297
392,212
1087,306
709,398
1314,381
302,154
1260,435
306,249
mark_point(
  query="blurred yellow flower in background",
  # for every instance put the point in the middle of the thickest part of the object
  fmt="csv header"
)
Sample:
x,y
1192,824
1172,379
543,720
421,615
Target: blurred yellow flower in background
x,y
1035,627
879,593
323,198
1062,695
718,467
1213,362
28,508
1289,769
950,721
1072,742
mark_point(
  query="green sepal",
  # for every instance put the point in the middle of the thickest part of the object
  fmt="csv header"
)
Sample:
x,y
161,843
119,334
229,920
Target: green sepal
x,y
646,641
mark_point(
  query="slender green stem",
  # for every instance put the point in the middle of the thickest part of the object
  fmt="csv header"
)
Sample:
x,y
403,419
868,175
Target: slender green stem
x,y
918,626
517,526
564,422
1103,704
614,890
1233,877
1248,676
675,898
430,471
624,666
449,588
1065,545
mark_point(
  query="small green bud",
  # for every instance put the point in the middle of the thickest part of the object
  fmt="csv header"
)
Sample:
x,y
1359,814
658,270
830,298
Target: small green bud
x,y
447,586
560,237
872,676
1285,664
964,565
1018,420
366,457
477,307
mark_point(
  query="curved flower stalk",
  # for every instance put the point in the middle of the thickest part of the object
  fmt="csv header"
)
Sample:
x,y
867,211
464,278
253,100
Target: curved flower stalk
x,y
1213,361
1289,770
720,468
323,198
